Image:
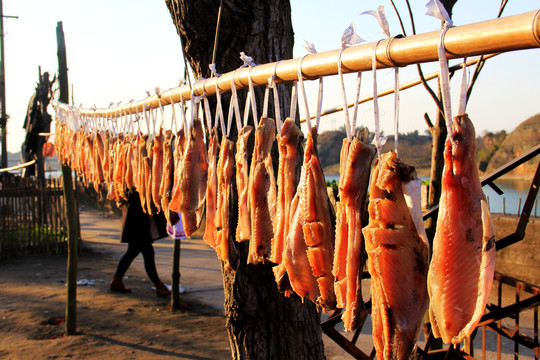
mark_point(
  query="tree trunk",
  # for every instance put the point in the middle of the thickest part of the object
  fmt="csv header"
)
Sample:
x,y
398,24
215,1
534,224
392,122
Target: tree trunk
x,y
438,135
261,322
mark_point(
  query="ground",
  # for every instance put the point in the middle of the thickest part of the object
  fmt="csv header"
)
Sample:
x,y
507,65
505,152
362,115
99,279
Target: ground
x,y
124,326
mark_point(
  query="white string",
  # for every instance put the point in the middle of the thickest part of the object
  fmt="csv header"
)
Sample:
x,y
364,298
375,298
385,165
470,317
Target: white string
x,y
195,100
301,84
246,108
183,113
444,76
355,111
462,104
208,114
344,96
158,93
174,127
219,108
234,104
319,103
376,103
253,100
396,108
265,101
277,109
294,101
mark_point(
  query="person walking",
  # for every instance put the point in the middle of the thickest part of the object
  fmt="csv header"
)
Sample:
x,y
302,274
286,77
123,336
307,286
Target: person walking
x,y
139,230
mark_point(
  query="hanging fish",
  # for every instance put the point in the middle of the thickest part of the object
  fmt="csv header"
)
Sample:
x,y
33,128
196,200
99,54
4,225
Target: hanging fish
x,y
225,180
397,249
157,168
168,175
318,229
290,148
355,166
463,261
262,194
192,180
211,191
243,229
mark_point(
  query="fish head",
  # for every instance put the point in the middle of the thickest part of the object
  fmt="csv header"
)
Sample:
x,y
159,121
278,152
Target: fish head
x,y
463,142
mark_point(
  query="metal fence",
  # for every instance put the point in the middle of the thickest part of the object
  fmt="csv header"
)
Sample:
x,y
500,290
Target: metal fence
x,y
32,217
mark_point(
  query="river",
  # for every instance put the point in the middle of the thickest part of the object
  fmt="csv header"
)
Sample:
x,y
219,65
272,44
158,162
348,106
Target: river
x,y
508,202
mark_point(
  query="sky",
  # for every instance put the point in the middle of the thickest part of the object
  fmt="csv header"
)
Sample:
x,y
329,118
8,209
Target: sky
x,y
118,50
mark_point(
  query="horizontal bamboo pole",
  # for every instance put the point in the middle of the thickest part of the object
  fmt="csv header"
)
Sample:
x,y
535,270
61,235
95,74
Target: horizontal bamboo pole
x,y
20,166
511,33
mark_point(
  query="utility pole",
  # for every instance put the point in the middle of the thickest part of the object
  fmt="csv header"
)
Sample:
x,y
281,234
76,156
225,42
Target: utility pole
x,y
3,116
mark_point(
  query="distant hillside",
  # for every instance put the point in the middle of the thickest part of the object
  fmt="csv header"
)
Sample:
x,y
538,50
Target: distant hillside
x,y
518,142
414,149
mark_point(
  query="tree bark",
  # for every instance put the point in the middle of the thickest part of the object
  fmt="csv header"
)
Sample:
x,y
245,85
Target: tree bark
x,y
261,322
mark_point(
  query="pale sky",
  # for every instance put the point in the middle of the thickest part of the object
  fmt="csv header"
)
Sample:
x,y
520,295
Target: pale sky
x,y
117,50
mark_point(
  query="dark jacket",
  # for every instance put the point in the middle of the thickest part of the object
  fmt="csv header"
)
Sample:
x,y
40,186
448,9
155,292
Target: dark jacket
x,y
139,226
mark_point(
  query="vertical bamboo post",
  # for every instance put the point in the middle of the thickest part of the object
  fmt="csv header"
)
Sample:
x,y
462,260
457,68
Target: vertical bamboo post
x,y
69,195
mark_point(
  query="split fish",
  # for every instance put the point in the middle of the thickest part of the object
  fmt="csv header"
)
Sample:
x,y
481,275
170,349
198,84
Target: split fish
x,y
192,181
211,191
295,258
262,194
355,167
463,261
318,229
243,229
289,144
168,175
225,172
397,249
157,169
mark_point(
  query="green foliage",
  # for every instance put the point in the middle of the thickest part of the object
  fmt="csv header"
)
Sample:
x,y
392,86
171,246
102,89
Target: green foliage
x,y
335,187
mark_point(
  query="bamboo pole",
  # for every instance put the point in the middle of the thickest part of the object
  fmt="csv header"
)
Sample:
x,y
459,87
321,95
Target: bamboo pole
x,y
511,33
69,195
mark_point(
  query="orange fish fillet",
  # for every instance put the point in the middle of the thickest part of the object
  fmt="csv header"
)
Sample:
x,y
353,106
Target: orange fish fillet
x,y
295,258
355,168
398,259
463,262
193,176
288,177
157,169
168,175
243,229
318,229
225,171
211,191
262,193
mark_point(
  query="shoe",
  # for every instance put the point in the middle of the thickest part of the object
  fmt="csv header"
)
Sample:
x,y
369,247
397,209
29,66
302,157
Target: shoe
x,y
118,286
162,290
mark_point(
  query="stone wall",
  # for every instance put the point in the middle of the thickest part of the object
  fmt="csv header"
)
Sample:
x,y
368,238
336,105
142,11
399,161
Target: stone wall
x,y
520,260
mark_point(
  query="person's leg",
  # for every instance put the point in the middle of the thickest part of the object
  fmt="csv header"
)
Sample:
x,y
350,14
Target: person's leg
x,y
124,263
150,266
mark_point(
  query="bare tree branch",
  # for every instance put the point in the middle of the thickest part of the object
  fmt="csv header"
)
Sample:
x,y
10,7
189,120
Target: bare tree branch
x,y
480,64
418,67
428,121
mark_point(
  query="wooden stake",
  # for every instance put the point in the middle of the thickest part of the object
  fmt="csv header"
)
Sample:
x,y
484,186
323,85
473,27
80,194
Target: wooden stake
x,y
175,292
72,214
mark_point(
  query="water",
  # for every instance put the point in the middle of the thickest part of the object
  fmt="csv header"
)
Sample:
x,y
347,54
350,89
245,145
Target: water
x,y
513,191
